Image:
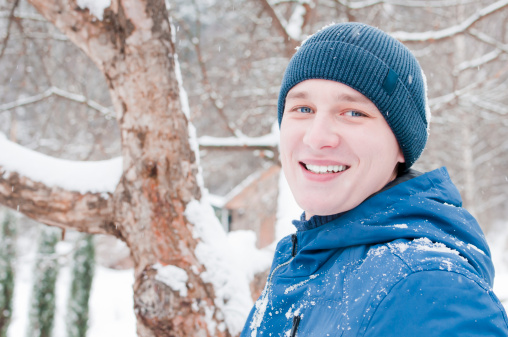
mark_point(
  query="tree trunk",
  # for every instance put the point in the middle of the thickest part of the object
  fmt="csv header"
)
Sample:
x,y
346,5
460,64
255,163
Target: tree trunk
x,y
133,47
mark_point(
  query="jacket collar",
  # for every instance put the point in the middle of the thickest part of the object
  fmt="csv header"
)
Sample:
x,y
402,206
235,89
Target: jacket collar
x,y
427,206
319,220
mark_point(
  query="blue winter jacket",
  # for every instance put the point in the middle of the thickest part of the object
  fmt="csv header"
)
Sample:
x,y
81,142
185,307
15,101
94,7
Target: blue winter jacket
x,y
409,261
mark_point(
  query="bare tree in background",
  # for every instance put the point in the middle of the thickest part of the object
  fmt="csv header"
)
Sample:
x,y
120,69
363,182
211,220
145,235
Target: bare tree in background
x,y
55,100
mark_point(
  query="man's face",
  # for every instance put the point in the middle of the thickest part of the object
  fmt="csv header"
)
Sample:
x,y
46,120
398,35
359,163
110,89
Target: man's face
x,y
336,147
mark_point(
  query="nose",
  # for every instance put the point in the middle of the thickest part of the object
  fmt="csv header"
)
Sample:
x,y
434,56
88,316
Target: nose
x,y
322,132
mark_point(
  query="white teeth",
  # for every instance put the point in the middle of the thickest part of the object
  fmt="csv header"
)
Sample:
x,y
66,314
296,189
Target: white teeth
x,y
325,169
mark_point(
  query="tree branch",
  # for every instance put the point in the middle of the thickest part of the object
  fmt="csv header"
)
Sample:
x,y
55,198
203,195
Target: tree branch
x,y
23,16
403,3
289,42
451,31
299,19
11,18
211,93
445,99
54,91
268,141
484,59
82,27
90,212
488,40
496,107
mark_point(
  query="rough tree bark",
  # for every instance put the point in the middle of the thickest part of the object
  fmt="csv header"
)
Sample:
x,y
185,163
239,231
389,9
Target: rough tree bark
x,y
133,47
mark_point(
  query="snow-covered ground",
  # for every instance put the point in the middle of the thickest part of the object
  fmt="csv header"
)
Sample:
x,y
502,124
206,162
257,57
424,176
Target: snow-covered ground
x,y
111,302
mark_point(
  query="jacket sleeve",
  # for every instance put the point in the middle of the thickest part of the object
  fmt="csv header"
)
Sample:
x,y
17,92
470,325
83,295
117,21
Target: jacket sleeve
x,y
438,303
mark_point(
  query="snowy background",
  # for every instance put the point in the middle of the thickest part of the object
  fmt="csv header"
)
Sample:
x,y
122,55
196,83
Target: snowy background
x,y
55,102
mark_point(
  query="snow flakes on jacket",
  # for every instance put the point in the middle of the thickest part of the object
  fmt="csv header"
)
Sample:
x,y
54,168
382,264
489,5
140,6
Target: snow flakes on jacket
x,y
409,261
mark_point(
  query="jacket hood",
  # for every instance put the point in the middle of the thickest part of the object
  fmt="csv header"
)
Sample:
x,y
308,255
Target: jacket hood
x,y
428,206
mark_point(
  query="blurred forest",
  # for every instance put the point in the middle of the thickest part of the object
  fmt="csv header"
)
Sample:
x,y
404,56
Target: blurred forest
x,y
232,55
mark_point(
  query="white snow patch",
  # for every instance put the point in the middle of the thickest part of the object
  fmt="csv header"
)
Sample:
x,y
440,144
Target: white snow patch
x,y
96,7
400,246
111,304
246,256
403,225
298,285
377,251
213,251
184,99
172,276
428,114
269,140
80,176
184,102
287,210
26,248
257,318
446,265
473,247
426,245
295,23
63,284
291,314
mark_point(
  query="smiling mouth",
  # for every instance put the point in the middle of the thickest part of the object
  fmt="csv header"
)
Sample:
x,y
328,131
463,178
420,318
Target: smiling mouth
x,y
324,169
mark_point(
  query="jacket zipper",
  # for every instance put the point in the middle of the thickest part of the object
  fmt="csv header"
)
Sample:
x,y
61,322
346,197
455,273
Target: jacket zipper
x,y
294,241
293,253
296,319
266,291
294,329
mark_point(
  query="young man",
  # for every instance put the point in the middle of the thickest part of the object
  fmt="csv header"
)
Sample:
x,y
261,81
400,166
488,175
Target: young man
x,y
381,250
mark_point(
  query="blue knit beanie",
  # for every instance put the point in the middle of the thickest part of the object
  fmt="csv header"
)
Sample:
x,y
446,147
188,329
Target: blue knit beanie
x,y
375,64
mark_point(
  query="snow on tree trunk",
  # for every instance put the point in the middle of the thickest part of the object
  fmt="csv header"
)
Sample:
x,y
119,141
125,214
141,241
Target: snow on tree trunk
x,y
42,311
7,255
82,276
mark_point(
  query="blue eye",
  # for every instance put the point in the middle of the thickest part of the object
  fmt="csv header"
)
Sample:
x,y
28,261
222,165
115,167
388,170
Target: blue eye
x,y
353,113
304,109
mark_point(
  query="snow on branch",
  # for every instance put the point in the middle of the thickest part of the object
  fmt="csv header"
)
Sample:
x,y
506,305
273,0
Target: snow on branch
x,y
263,141
298,19
360,4
487,156
434,103
416,3
290,31
450,31
495,107
61,93
79,176
484,59
488,40
270,140
59,192
96,7
276,19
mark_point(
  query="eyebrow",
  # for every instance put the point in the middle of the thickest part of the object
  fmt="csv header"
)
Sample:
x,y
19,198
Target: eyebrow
x,y
357,98
296,94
